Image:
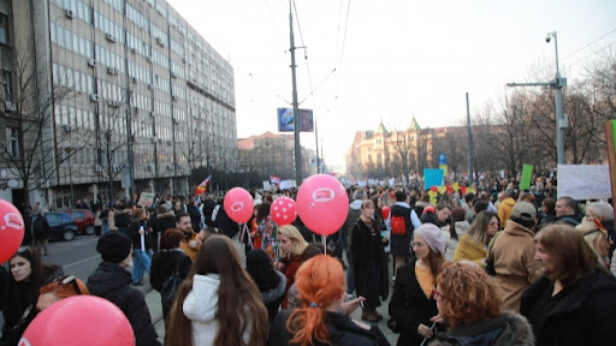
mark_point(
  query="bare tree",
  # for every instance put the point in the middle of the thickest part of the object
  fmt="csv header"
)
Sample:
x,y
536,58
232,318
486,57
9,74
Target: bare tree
x,y
112,144
29,151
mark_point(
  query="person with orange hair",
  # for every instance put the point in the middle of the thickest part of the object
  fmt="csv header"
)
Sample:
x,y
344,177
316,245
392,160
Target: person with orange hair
x,y
322,317
58,289
469,303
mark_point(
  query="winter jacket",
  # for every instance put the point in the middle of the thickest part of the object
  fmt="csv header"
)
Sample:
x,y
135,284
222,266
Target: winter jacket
x,y
470,249
342,332
291,265
200,308
41,228
112,282
135,237
510,328
584,316
571,220
504,210
273,297
370,263
409,305
349,223
450,247
164,221
513,252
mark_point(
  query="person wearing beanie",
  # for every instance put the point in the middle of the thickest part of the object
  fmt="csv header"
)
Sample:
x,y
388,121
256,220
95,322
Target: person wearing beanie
x,y
111,281
512,253
412,303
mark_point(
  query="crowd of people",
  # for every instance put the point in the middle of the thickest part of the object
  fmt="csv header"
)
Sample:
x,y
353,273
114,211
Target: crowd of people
x,y
496,267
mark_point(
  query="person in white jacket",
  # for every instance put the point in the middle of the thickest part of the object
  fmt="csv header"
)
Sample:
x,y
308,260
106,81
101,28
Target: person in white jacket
x,y
218,292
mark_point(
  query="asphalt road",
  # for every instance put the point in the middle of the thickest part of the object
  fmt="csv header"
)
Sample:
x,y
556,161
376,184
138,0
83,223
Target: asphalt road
x,y
79,257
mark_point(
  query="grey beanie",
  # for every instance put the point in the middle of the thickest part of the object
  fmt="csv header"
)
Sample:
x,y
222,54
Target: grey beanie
x,y
432,236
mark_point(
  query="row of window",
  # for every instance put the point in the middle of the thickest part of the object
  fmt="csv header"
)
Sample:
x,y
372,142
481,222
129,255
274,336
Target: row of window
x,y
75,118
110,59
161,83
136,17
108,27
158,34
77,7
72,79
141,101
177,69
70,40
142,129
117,4
162,108
140,73
138,45
160,58
111,91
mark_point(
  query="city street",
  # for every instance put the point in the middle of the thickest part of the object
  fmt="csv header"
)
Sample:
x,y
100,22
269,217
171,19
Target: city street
x,y
79,258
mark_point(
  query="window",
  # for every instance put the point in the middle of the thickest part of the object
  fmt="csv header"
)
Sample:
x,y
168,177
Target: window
x,y
12,138
7,85
4,32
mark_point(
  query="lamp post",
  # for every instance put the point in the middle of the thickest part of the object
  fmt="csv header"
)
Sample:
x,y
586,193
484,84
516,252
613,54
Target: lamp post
x,y
557,85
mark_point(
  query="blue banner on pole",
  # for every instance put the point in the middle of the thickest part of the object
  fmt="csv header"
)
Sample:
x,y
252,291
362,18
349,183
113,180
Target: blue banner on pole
x,y
442,159
433,177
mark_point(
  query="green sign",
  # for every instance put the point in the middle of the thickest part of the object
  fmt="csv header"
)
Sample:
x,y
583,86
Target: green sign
x,y
527,173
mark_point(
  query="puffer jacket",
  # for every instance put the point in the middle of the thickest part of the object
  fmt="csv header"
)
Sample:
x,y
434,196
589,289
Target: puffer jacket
x,y
508,329
112,282
505,208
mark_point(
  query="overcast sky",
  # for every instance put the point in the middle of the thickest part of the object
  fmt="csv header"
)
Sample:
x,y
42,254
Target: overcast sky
x,y
393,59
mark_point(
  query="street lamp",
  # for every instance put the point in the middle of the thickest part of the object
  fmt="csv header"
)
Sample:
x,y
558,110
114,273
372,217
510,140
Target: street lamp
x,y
557,85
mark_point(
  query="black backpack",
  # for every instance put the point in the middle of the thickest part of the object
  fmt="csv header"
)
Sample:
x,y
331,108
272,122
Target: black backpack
x,y
169,288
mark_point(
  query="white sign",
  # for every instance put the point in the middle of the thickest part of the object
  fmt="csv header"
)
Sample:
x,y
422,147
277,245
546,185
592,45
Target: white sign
x,y
266,185
287,184
584,181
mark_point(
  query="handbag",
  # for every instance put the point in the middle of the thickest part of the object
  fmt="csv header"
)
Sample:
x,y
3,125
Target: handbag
x,y
169,288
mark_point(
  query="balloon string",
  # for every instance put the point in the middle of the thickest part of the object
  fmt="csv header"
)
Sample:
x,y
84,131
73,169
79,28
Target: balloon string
x,y
324,240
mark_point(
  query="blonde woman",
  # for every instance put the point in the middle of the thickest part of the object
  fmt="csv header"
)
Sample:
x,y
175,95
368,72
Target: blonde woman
x,y
291,245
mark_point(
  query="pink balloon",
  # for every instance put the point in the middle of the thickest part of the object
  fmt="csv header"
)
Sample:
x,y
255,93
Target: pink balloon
x,y
79,320
322,204
238,205
11,230
283,211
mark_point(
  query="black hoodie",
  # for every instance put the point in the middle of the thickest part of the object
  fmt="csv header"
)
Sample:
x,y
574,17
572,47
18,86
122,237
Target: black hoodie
x,y
112,282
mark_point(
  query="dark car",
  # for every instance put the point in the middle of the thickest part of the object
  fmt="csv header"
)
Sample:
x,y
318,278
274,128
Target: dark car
x,y
84,219
61,224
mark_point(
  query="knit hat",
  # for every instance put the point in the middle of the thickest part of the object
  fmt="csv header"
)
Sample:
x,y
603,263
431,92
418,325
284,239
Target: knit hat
x,y
524,211
432,236
114,246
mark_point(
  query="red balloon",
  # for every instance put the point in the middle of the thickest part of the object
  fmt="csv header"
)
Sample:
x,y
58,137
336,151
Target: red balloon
x,y
385,212
11,230
323,204
239,205
283,211
79,320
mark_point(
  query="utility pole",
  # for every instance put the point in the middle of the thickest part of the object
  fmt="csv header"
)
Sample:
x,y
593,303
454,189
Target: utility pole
x,y
557,85
296,115
470,141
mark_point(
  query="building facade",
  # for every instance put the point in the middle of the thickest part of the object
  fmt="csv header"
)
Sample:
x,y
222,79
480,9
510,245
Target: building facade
x,y
383,153
127,93
273,154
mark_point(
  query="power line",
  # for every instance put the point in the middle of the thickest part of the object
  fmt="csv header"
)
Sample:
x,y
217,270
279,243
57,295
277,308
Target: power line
x,y
588,44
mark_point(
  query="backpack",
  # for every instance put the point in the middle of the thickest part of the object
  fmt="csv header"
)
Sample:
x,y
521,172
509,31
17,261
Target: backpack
x,y
398,225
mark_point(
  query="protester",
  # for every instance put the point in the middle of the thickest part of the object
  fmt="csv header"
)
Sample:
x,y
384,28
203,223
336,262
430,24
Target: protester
x,y
262,229
439,217
321,318
370,262
271,282
473,245
20,294
42,231
111,281
401,239
505,207
566,211
548,212
58,289
513,252
468,302
311,250
412,303
291,246
452,232
192,240
603,213
218,303
346,238
574,301
169,261
140,235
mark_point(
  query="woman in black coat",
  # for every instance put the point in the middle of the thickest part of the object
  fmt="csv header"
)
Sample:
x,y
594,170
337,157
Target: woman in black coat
x,y
369,254
574,302
412,303
167,261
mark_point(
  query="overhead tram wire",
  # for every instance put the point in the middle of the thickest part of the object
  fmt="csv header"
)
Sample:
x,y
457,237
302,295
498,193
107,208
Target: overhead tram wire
x,y
588,44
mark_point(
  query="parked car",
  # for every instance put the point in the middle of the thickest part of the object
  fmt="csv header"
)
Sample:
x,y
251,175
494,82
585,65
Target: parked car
x,y
61,224
84,219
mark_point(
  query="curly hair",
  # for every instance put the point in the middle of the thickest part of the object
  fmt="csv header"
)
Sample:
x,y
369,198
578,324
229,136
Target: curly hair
x,y
320,281
468,295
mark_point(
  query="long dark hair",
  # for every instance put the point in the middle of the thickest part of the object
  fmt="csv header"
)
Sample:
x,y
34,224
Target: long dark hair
x,y
237,289
259,266
458,214
21,294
